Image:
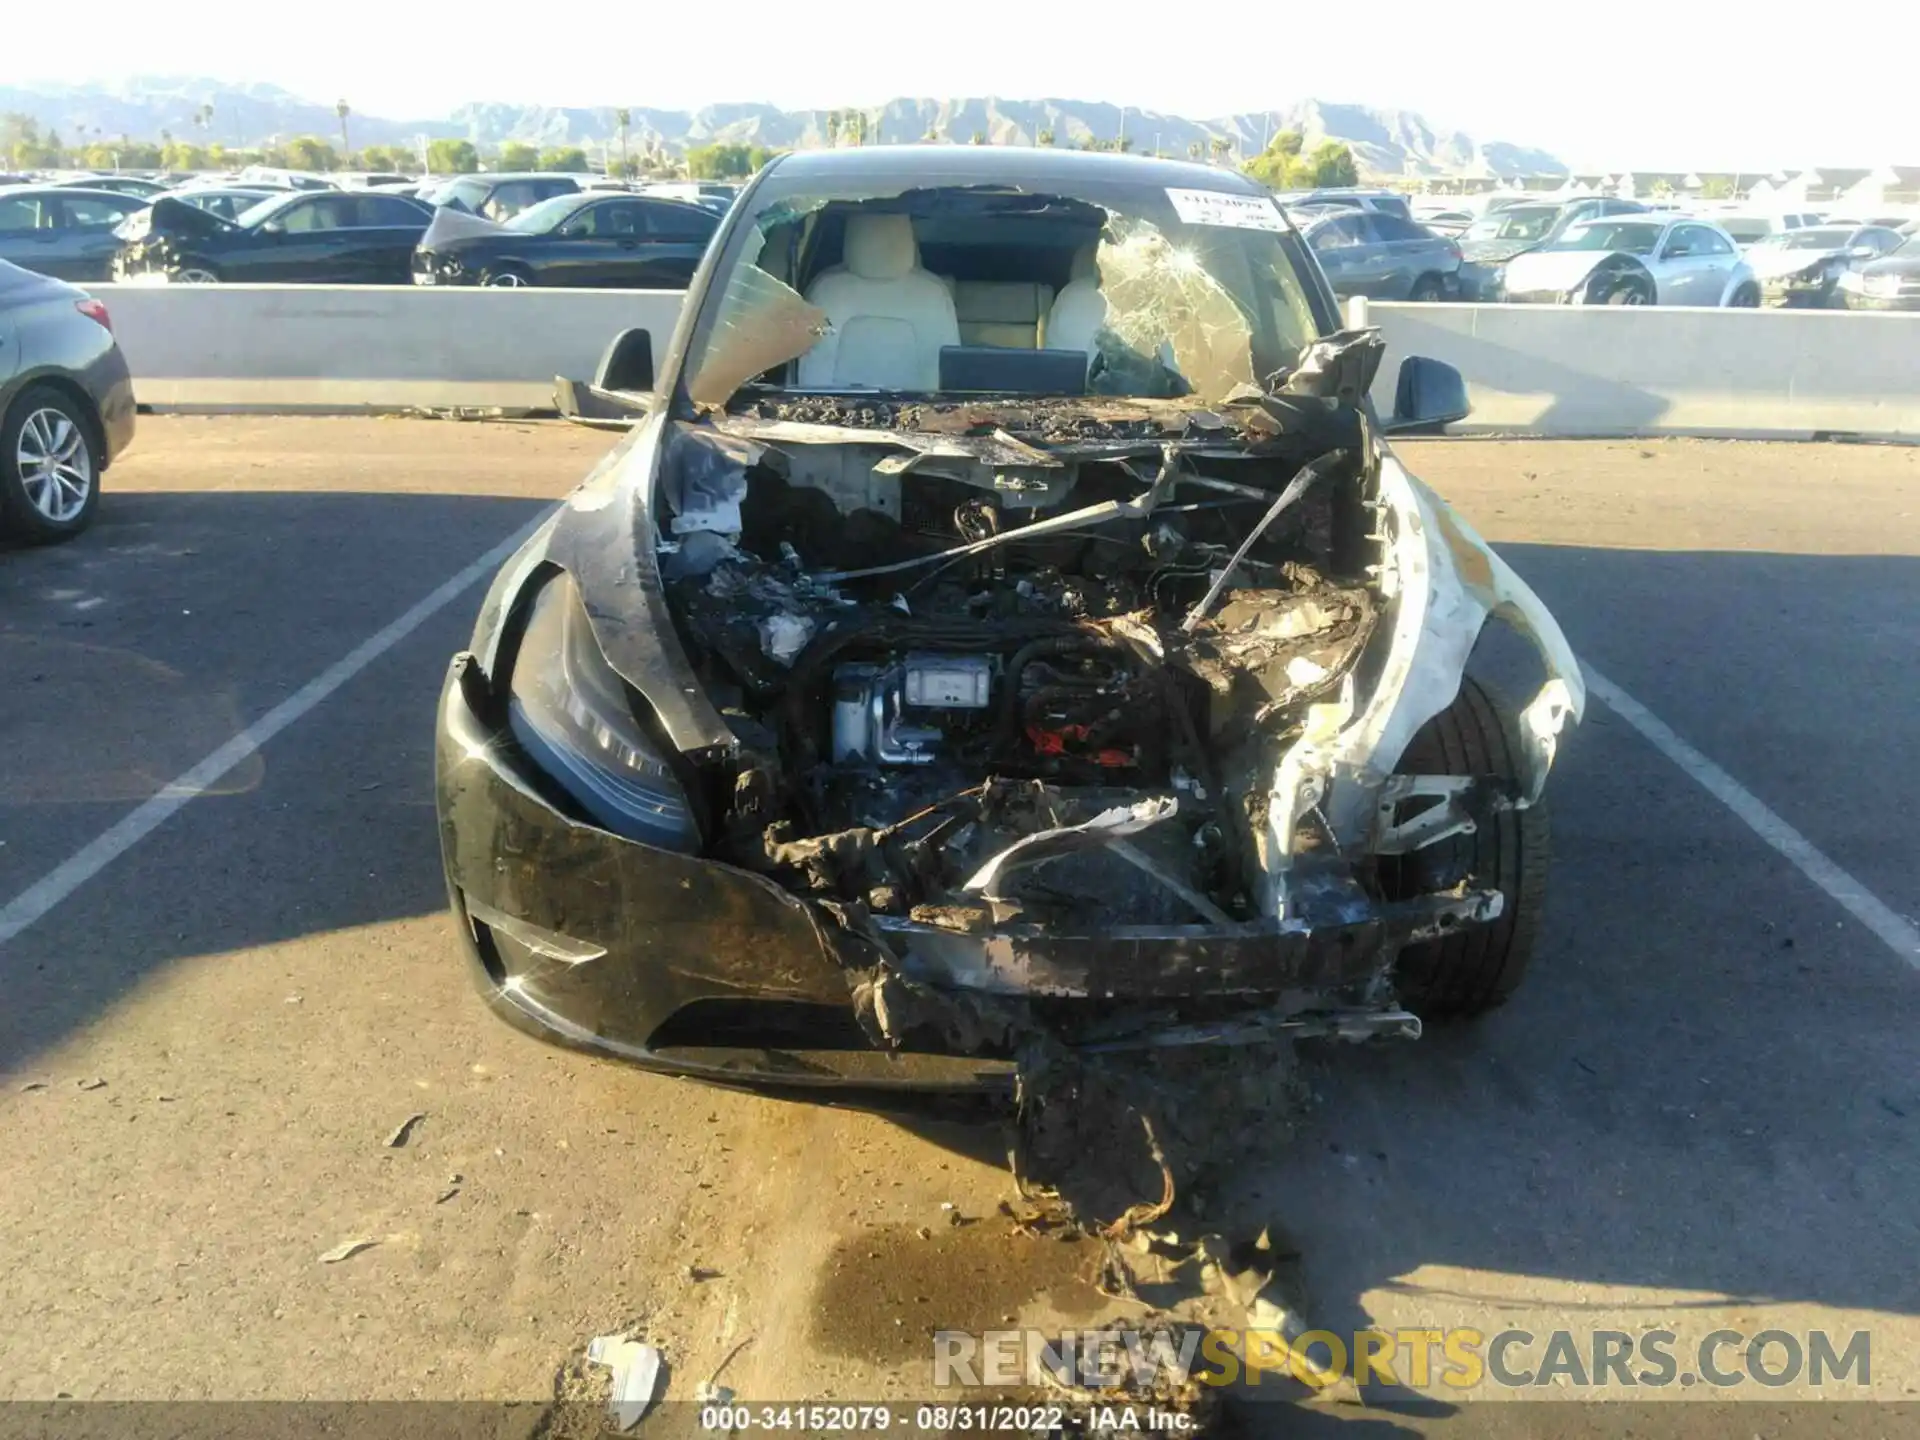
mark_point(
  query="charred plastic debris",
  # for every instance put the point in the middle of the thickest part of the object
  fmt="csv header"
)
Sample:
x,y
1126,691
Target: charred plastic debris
x,y
1009,684
1007,681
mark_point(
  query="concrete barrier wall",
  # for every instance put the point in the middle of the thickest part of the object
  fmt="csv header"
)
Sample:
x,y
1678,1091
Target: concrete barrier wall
x,y
1546,370
352,347
1571,370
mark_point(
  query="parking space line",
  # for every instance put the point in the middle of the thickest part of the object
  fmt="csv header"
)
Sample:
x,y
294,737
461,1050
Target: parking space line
x,y
90,859
1899,934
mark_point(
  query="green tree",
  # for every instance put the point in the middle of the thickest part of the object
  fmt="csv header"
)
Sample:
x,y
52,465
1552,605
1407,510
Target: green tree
x,y
518,155
623,122
310,152
833,128
570,158
1663,189
1717,187
452,157
1220,147
178,155
1279,166
387,157
23,146
979,138
1045,137
722,161
1332,164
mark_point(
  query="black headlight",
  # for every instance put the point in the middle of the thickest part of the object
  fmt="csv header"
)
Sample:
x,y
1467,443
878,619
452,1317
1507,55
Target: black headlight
x,y
574,716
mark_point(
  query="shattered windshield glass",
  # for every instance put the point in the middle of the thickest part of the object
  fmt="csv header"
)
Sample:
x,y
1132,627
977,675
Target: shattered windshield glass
x,y
1133,290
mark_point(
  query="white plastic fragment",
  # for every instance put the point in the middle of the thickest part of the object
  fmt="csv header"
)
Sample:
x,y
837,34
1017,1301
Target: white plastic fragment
x,y
348,1248
784,636
636,1372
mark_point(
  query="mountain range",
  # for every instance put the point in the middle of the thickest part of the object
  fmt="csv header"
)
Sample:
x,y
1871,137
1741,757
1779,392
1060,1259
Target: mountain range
x,y
1386,143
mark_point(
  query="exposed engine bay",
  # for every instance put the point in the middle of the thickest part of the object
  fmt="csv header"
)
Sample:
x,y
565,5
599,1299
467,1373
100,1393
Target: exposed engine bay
x,y
973,694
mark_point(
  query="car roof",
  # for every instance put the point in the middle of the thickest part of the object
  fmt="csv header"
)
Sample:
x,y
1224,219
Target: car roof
x,y
1018,164
67,190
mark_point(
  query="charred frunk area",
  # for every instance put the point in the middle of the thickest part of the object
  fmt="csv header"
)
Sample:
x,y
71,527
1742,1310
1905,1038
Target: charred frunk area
x,y
1017,669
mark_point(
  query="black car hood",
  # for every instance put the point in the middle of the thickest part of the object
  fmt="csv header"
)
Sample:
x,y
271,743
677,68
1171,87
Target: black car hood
x,y
180,220
457,227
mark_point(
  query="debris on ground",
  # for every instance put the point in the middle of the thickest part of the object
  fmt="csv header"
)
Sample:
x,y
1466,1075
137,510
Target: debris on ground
x,y
94,1083
699,1274
348,1248
403,1131
636,1374
34,1085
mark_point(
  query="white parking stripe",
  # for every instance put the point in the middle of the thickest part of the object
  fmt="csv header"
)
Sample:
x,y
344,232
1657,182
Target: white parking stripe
x,y
1900,935
93,857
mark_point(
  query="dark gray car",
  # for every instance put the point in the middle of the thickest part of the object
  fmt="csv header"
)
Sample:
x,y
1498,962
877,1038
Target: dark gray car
x,y
63,230
1381,256
66,405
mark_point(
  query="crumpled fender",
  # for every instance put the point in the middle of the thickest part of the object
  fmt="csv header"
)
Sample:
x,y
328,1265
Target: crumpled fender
x,y
1442,583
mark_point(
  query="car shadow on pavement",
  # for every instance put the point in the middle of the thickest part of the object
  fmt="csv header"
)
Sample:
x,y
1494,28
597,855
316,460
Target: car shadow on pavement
x,y
136,650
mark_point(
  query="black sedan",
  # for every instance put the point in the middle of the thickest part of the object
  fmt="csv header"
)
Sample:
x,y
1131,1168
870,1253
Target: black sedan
x,y
66,405
587,240
325,237
1889,283
63,231
937,676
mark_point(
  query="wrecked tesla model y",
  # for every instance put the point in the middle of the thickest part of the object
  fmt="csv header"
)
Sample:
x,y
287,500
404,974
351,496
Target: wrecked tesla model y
x,y
1004,619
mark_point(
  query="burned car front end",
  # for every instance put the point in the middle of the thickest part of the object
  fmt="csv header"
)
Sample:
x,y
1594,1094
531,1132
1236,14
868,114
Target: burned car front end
x,y
843,732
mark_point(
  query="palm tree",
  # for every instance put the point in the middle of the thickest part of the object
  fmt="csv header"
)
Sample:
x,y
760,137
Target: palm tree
x,y
343,110
1045,137
833,128
623,119
1221,147
1195,150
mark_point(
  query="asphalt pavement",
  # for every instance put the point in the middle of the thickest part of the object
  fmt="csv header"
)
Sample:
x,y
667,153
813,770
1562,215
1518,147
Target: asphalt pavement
x,y
1702,1110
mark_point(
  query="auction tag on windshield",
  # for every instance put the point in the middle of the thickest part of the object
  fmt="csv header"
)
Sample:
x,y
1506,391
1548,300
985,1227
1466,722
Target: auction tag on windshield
x,y
1218,207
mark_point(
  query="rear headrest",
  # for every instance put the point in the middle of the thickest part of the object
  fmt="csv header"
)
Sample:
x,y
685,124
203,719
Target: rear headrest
x,y
881,247
1086,263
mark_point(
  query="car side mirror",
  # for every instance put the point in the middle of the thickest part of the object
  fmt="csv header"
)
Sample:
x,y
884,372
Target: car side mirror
x,y
1862,252
273,227
627,363
1428,395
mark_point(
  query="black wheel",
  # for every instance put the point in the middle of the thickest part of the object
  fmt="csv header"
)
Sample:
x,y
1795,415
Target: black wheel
x,y
507,277
1477,969
1428,288
195,272
1629,291
1747,297
49,467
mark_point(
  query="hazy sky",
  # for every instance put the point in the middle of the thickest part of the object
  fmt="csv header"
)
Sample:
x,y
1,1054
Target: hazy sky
x,y
1668,86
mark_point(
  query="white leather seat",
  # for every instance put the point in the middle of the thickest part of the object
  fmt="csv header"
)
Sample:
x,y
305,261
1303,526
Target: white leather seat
x,y
1080,309
1001,312
889,316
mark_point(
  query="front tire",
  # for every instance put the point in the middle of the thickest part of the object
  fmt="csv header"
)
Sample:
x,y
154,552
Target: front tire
x,y
196,272
1427,289
510,277
49,467
1747,297
1477,969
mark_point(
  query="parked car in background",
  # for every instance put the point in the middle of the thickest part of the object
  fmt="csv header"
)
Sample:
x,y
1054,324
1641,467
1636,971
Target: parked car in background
x,y
1889,283
228,202
1803,267
1382,256
592,239
1495,238
66,405
1629,260
501,197
137,186
326,238
1386,201
370,179
275,178
1449,222
62,230
1747,229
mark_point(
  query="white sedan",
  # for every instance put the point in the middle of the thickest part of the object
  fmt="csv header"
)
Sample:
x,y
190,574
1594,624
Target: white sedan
x,y
1635,260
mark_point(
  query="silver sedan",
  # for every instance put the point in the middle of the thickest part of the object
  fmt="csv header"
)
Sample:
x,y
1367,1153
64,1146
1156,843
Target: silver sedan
x,y
1635,260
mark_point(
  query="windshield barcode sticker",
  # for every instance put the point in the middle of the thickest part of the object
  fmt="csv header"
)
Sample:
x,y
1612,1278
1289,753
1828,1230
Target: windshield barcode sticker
x,y
1218,207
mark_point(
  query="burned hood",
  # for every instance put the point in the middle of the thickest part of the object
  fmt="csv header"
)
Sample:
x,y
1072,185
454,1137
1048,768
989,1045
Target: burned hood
x,y
453,227
176,218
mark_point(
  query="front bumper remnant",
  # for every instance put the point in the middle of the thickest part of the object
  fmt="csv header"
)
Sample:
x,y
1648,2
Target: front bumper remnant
x,y
683,964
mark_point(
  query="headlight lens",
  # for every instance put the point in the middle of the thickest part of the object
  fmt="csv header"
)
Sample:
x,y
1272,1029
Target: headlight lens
x,y
571,713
